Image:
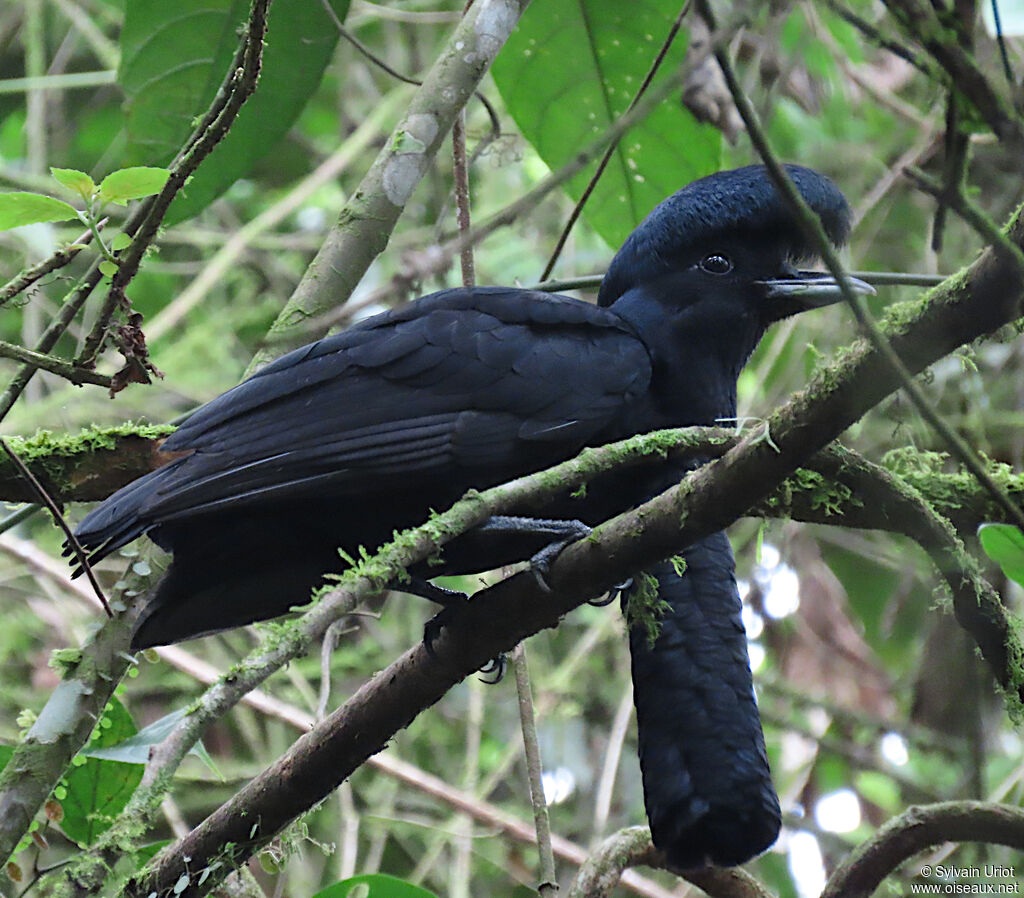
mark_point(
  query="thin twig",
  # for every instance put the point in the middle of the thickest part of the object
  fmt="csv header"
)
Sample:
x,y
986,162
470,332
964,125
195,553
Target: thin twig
x,y
238,86
1001,41
71,306
876,37
548,884
62,368
612,756
460,171
613,146
875,278
58,519
59,259
987,229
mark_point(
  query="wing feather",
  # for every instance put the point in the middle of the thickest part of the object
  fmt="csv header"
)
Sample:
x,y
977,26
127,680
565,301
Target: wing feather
x,y
468,384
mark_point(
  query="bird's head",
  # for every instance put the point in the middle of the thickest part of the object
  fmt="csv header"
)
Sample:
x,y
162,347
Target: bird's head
x,y
726,249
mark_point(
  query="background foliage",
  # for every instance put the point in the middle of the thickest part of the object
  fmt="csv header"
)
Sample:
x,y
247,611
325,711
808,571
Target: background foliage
x,y
872,698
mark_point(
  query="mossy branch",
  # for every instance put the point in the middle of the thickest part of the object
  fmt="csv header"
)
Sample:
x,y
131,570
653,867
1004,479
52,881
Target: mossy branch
x,y
86,466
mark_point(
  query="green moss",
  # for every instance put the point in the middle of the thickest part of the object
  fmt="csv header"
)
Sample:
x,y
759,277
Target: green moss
x,y
644,606
65,661
44,444
929,474
1015,667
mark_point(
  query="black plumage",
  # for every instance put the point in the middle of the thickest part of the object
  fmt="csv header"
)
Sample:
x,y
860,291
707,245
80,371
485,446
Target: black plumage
x,y
341,442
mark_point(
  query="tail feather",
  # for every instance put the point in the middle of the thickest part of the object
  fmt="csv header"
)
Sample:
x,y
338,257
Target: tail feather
x,y
707,784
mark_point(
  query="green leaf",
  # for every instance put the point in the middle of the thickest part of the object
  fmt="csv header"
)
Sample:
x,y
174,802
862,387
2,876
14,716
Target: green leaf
x,y
570,70
135,749
75,180
1004,544
108,268
121,241
98,790
19,208
173,59
132,183
380,885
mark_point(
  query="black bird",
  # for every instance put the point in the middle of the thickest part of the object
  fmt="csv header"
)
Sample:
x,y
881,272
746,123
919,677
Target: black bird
x,y
341,442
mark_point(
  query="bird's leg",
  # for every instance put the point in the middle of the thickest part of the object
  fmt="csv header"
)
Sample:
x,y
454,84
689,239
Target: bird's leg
x,y
425,589
563,531
450,601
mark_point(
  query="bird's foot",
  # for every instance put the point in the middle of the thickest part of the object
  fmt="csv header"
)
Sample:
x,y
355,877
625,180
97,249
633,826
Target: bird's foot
x,y
562,531
452,601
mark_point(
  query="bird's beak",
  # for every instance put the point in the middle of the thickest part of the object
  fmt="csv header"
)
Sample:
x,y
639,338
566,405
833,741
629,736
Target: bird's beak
x,y
804,290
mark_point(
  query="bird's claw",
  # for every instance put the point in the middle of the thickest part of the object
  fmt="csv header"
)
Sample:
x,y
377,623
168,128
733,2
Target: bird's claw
x,y
615,592
494,670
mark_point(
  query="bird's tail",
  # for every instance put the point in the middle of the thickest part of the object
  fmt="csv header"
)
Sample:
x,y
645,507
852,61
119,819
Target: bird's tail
x,y
707,786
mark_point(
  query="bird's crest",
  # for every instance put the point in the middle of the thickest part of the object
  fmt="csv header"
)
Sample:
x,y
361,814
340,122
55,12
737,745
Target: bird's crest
x,y
741,203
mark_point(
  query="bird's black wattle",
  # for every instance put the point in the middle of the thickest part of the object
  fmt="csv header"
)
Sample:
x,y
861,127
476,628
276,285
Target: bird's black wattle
x,y
344,441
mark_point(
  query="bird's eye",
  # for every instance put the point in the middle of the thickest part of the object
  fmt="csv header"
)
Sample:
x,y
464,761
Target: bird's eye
x,y
716,263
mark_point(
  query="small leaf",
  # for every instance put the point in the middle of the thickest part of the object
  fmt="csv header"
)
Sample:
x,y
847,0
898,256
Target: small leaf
x,y
135,749
120,241
132,183
19,208
108,268
75,180
1004,544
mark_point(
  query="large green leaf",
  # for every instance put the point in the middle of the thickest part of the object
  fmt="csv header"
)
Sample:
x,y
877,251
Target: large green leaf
x,y
22,208
570,69
96,791
174,57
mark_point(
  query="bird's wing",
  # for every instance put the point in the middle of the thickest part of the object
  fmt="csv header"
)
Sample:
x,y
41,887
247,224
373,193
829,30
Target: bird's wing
x,y
481,380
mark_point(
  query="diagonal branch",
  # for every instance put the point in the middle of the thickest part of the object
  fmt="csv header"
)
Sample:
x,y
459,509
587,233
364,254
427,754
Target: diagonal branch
x,y
364,226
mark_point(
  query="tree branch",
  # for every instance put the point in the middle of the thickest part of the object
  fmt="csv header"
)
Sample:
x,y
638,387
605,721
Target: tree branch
x,y
364,226
919,828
